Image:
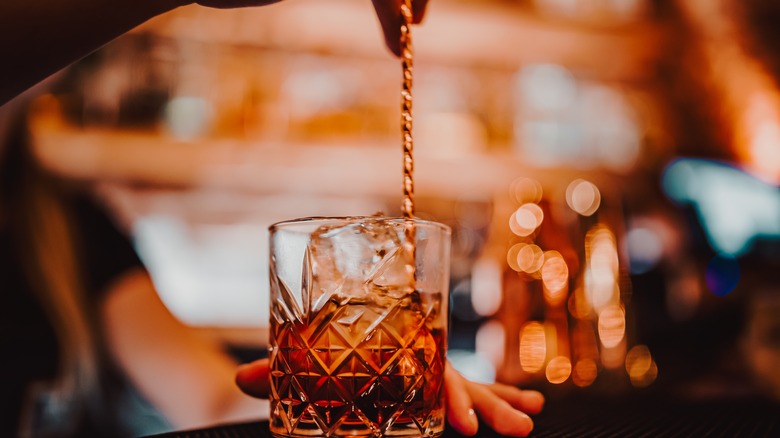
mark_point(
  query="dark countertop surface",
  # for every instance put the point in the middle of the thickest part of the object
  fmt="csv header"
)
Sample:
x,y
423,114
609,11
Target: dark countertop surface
x,y
619,417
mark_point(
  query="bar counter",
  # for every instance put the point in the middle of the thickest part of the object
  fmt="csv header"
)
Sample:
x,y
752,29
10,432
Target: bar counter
x,y
619,417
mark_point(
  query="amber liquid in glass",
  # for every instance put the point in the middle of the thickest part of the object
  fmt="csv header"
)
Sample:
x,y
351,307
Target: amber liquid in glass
x,y
360,368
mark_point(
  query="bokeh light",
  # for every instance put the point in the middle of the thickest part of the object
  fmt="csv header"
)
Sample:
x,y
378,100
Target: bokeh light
x,y
647,378
585,372
526,219
511,256
490,341
555,277
638,361
533,347
530,258
546,87
602,267
612,326
644,249
614,358
558,370
525,190
640,366
735,207
763,136
486,287
583,197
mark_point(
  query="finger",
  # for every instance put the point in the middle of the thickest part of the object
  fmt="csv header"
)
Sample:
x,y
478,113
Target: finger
x,y
530,402
498,413
252,378
418,10
461,415
389,14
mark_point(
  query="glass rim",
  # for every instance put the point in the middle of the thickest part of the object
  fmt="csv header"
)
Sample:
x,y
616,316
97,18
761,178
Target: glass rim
x,y
291,223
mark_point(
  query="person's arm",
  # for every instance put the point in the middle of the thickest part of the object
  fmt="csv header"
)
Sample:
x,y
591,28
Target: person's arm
x,y
189,379
39,37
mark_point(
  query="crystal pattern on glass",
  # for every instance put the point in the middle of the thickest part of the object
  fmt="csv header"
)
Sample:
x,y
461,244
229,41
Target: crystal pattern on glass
x,y
358,352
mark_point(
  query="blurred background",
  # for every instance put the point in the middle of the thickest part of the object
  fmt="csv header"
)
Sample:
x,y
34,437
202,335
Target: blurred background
x,y
610,170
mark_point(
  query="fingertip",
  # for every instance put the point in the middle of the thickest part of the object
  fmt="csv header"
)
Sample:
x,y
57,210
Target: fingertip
x,y
252,378
534,401
468,425
243,375
394,45
520,426
472,422
418,10
530,427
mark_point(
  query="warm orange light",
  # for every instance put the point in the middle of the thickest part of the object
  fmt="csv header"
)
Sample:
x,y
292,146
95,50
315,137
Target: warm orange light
x,y
601,267
761,125
579,305
511,256
615,357
612,326
558,370
533,347
583,197
640,366
647,378
526,219
526,190
584,372
530,258
638,361
555,277
747,94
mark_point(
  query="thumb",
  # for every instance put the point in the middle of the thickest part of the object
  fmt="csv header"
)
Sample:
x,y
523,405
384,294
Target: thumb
x,y
252,378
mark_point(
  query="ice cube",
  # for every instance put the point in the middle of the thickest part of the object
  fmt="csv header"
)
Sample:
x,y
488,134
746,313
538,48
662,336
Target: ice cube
x,y
358,259
393,275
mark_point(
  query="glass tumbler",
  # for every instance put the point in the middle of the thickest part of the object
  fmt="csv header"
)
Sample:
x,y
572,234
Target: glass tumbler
x,y
358,327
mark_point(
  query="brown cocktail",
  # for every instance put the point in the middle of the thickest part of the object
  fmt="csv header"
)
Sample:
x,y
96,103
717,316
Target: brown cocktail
x,y
358,327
